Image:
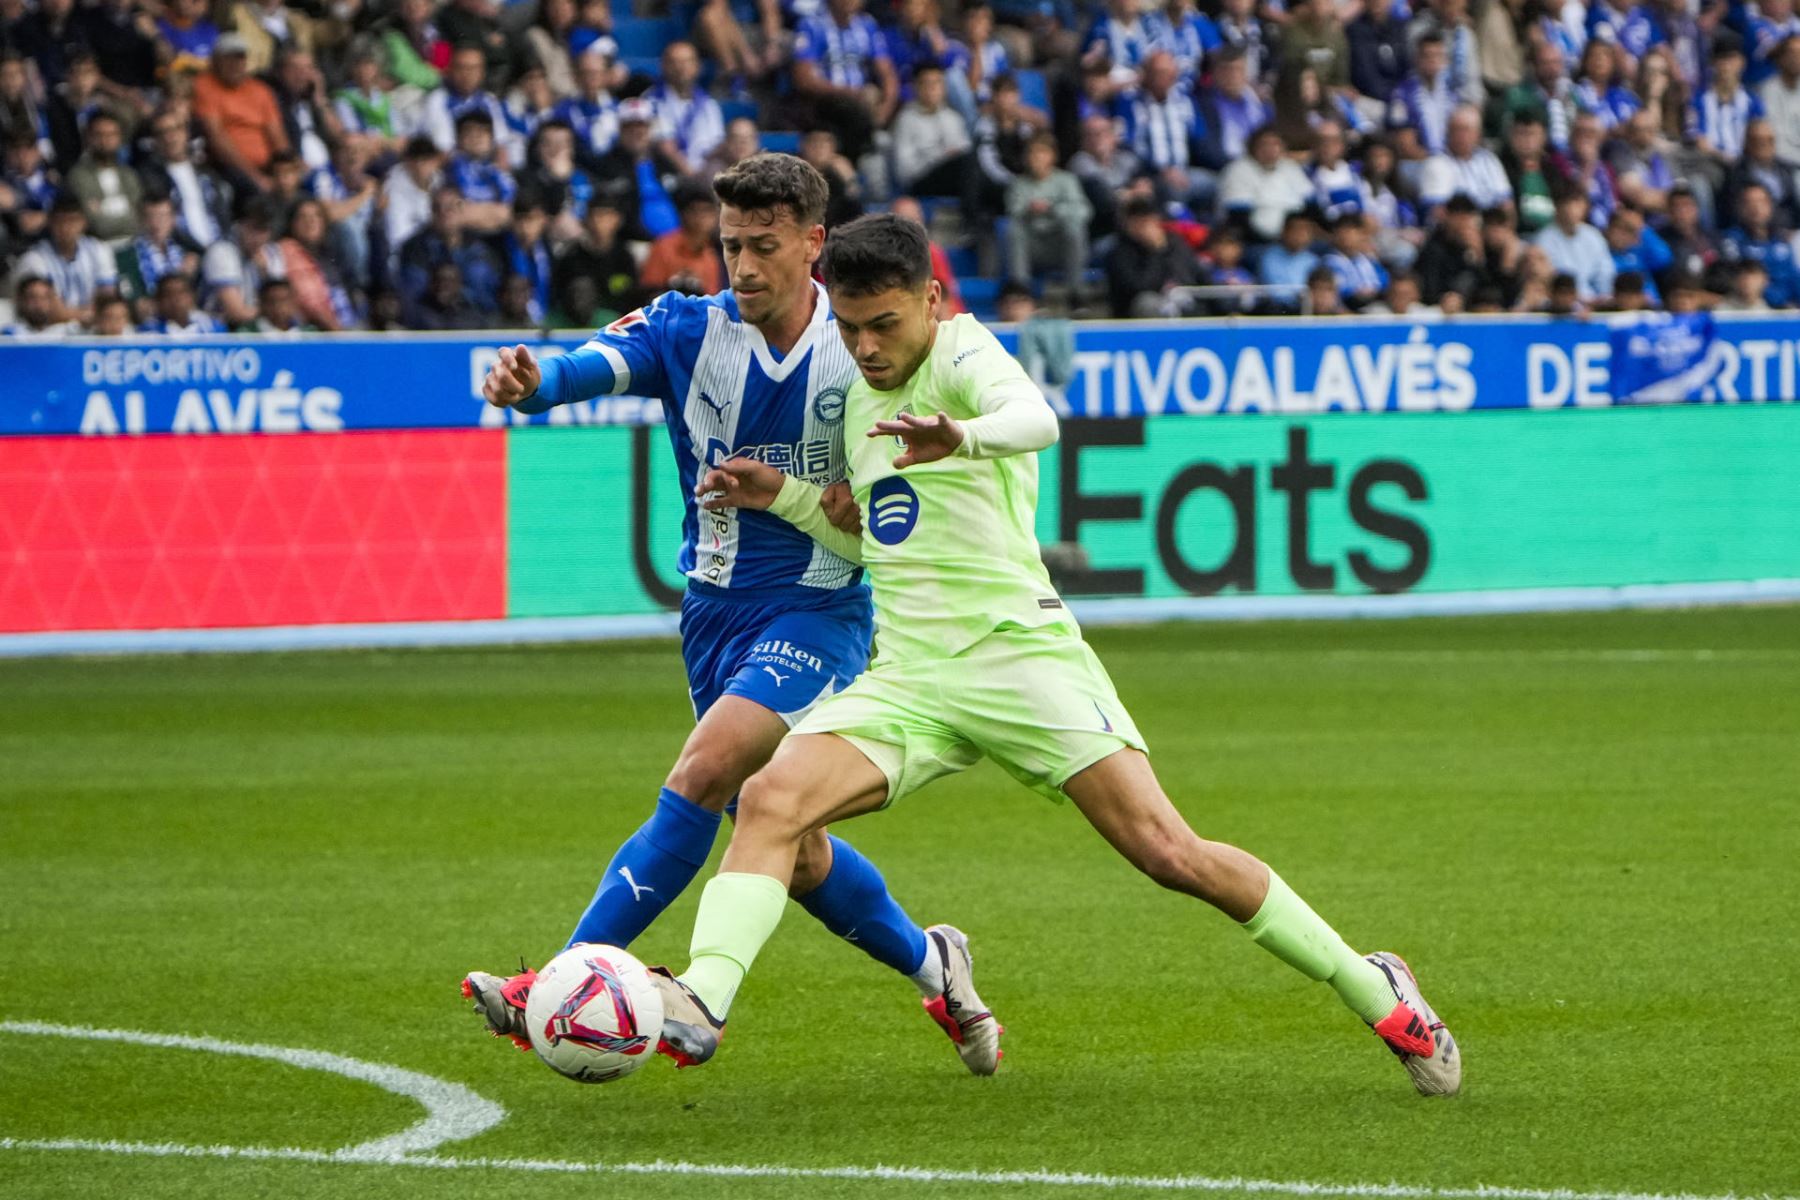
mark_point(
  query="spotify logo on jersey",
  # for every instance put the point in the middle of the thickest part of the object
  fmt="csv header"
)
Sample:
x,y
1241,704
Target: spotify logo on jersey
x,y
893,510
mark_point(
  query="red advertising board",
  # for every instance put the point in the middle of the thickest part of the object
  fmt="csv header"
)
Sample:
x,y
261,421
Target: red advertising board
x,y
178,532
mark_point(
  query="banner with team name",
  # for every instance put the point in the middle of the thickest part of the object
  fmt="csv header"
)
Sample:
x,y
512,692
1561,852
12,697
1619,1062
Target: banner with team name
x,y
328,384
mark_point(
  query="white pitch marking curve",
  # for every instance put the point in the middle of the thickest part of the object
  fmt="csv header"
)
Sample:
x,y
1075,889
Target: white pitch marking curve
x,y
452,1111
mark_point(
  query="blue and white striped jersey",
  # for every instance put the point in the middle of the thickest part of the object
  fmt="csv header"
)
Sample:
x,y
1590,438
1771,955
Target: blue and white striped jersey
x,y
726,395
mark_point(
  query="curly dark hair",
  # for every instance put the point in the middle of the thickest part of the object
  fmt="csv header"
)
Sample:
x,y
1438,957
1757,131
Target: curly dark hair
x,y
767,182
874,253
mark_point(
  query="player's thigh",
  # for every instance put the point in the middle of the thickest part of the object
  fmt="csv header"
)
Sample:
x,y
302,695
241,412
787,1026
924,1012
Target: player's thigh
x,y
795,659
1038,702
813,780
733,740
893,717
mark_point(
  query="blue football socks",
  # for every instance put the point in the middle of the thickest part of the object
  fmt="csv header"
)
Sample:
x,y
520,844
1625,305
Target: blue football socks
x,y
853,902
649,871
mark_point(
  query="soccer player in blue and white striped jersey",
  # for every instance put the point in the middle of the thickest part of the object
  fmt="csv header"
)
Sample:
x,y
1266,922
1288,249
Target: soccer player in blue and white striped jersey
x,y
772,622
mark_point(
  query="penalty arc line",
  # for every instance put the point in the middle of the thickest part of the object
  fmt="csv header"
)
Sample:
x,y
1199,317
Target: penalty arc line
x,y
876,1174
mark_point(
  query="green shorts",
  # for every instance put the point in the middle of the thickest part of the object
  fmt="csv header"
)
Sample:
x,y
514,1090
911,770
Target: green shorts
x,y
1036,701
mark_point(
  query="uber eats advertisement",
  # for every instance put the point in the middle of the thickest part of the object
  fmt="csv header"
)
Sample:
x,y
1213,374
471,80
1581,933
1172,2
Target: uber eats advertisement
x,y
1267,505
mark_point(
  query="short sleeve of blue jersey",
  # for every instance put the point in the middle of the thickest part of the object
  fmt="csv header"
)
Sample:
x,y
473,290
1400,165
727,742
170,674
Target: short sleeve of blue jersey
x,y
630,356
808,45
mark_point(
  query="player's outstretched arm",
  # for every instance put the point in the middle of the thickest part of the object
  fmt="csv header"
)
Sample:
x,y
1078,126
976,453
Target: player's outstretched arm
x,y
747,483
1013,420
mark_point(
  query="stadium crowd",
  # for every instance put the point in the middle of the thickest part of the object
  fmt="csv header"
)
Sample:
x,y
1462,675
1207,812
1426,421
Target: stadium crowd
x,y
189,166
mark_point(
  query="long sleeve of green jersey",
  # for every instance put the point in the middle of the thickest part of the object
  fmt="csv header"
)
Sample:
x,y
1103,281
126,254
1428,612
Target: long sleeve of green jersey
x,y
798,504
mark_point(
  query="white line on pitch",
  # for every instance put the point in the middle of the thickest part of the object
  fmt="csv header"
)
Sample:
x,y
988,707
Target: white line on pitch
x,y
1160,1183
1527,654
452,1111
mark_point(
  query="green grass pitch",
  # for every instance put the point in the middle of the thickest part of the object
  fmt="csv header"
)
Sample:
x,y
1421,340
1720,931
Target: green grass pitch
x,y
1581,830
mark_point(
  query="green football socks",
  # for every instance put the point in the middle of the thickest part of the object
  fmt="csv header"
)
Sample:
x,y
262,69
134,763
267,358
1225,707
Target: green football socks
x,y
1289,929
738,912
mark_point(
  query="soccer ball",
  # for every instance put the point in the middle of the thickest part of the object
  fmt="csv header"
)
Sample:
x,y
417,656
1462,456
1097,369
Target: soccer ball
x,y
594,1014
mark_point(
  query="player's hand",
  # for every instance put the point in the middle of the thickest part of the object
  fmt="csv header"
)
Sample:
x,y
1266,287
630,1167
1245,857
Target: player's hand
x,y
513,377
739,483
839,505
927,438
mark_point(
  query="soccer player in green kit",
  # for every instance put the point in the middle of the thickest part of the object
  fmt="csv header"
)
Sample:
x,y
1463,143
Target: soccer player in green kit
x,y
975,655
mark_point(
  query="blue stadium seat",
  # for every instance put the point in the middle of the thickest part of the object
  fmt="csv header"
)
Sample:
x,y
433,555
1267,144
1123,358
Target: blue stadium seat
x,y
980,293
731,110
781,141
1033,90
643,64
963,260
645,37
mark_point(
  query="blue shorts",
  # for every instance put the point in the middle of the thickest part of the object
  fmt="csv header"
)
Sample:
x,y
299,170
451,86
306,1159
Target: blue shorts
x,y
786,655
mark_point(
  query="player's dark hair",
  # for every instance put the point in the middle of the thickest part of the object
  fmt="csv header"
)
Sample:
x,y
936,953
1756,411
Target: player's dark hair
x,y
770,182
874,253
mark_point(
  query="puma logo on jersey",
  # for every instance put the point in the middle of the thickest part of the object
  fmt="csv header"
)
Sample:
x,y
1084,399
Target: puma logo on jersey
x,y
777,676
637,890
718,409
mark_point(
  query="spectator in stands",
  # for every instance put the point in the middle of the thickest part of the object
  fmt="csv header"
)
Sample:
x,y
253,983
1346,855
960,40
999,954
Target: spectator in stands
x,y
1418,116
463,91
277,310
72,104
1380,52
1313,36
1641,172
933,149
1465,168
1401,299
1599,88
1289,261
1179,27
26,190
1454,257
417,53
321,287
686,259
1398,233
477,23
446,304
242,121
1720,116
365,105
1535,275
1692,247
405,204
79,267
1166,133
1230,110
1049,217
20,113
906,208
1757,238
189,33
1638,249
980,56
1664,93
843,71
1001,137
515,305
636,161
1528,171
201,212
1452,21
594,277
1506,252
722,38
1223,266
552,175
525,255
741,141
1760,165
1548,94
1146,268
112,317
1337,190
487,190
1781,100
1748,285
287,185
1118,39
123,36
690,124
444,240
1108,173
1303,105
1773,23
1577,249
916,39
349,192
1583,167
1266,185
155,252
1361,279
108,189
843,187
175,313
234,270
268,27
1241,29
547,44
52,38
37,313
592,112
1322,296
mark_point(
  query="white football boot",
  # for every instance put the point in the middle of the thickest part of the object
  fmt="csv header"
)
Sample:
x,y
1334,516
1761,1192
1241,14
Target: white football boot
x,y
1415,1034
957,1009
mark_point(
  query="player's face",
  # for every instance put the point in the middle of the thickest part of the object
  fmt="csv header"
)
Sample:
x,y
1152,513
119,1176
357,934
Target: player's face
x,y
770,256
889,333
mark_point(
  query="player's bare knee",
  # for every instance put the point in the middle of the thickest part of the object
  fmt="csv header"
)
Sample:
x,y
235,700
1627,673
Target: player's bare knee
x,y
705,776
811,864
769,807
